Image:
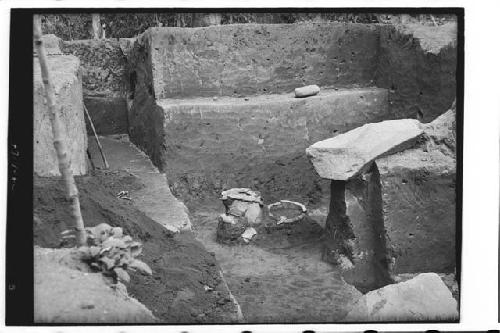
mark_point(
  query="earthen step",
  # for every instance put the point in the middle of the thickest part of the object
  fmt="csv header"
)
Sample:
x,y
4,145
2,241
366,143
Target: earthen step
x,y
155,198
227,128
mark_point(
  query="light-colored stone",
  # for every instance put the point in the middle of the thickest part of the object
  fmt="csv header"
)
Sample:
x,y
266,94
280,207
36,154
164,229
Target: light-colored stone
x,y
67,83
423,298
307,91
349,154
248,234
227,219
242,194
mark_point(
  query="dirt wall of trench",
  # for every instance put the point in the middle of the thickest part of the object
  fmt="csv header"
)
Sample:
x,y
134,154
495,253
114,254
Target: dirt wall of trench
x,y
205,146
240,61
418,65
67,82
105,81
252,59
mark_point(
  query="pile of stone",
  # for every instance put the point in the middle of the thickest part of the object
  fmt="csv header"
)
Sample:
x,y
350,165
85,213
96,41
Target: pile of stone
x,y
243,214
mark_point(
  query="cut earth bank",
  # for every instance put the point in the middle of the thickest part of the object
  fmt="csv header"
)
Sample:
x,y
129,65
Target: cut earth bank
x,y
183,269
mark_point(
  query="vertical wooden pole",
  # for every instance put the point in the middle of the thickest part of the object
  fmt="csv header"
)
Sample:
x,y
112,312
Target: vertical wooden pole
x,y
59,144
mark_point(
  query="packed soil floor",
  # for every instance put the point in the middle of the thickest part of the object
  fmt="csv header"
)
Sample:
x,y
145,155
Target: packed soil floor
x,y
279,277
186,286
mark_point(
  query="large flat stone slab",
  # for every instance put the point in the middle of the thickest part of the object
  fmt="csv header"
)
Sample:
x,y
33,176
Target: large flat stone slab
x,y
67,83
423,298
351,153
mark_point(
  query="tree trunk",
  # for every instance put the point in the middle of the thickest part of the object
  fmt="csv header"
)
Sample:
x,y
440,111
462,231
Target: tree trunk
x,y
96,26
59,144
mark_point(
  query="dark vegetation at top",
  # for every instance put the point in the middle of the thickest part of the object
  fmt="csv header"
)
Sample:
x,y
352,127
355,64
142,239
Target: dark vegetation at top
x,y
126,25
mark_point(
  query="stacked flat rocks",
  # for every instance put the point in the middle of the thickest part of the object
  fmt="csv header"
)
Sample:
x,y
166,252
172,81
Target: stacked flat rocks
x,y
243,213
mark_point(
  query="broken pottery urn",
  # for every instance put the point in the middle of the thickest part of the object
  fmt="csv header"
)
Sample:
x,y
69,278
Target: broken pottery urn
x,y
243,212
231,228
244,202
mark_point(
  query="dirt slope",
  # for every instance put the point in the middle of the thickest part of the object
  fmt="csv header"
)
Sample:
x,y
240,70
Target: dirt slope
x,y
186,285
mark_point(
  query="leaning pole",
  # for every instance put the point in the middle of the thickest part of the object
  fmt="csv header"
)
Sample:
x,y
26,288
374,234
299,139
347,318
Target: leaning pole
x,y
59,144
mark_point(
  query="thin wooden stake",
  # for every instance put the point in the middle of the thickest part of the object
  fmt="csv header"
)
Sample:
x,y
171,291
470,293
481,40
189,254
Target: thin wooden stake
x,y
89,156
59,144
106,165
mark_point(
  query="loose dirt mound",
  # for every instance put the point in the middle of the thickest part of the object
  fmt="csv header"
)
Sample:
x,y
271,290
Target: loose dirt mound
x,y
185,286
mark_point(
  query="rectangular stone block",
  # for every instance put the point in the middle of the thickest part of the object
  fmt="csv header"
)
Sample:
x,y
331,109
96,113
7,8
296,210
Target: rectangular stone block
x,y
351,153
67,81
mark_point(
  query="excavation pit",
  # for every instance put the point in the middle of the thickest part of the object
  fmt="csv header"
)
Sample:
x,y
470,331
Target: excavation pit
x,y
213,109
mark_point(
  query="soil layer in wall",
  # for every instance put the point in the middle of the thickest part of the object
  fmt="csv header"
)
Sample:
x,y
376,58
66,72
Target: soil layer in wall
x,y
418,65
419,213
109,114
67,83
252,59
105,79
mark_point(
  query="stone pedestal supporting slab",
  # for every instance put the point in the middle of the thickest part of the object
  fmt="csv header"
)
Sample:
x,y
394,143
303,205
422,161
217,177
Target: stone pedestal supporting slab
x,y
355,234
394,213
